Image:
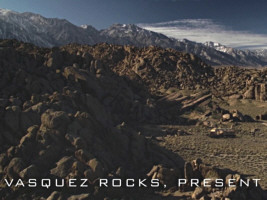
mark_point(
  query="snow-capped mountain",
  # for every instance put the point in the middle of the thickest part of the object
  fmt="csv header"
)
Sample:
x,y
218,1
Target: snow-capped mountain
x,y
133,35
49,32
213,53
262,53
253,57
34,28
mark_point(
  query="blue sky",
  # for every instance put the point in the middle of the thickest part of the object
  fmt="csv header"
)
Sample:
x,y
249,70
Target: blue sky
x,y
236,16
239,14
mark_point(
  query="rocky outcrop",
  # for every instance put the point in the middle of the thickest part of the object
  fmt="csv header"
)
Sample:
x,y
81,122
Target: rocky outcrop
x,y
71,113
231,81
62,117
208,182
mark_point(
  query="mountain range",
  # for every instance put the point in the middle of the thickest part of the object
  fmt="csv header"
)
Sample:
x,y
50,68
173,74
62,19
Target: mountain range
x,y
51,32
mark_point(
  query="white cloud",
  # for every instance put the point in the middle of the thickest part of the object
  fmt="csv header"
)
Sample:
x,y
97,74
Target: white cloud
x,y
202,30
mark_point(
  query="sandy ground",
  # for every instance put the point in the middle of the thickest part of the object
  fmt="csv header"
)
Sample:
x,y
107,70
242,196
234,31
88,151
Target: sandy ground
x,y
244,154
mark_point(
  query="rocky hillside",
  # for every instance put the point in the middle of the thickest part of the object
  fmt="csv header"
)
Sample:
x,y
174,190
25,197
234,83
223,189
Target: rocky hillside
x,y
71,112
63,114
45,32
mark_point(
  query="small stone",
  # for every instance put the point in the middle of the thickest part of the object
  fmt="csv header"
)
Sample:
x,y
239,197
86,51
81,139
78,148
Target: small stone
x,y
226,117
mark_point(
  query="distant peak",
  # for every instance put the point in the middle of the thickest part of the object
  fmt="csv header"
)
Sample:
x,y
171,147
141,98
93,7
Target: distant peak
x,y
126,26
84,26
212,44
5,11
88,27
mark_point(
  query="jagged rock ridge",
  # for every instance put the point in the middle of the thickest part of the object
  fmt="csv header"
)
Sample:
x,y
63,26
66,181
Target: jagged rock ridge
x,y
45,32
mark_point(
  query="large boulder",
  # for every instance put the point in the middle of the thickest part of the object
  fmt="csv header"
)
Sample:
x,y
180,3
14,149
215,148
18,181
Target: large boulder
x,y
55,120
167,176
30,172
14,167
249,94
226,117
96,170
198,193
63,167
237,116
79,197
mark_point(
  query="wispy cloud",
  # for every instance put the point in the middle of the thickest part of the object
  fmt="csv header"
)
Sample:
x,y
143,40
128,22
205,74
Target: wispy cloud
x,y
202,30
